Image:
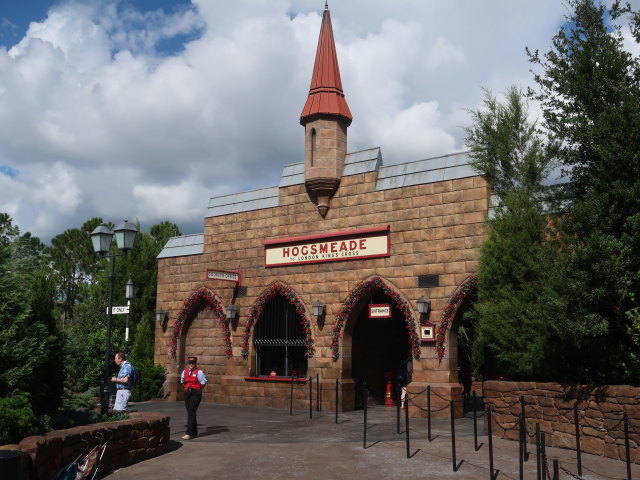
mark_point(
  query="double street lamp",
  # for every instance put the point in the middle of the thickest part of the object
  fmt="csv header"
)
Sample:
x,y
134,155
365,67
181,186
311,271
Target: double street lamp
x,y
101,239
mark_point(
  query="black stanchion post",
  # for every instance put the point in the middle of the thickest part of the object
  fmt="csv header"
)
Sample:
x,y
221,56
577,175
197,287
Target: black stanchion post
x,y
524,430
453,436
398,398
310,397
406,422
538,471
475,422
291,399
318,407
429,412
521,450
576,420
337,403
556,469
365,400
490,435
543,458
625,419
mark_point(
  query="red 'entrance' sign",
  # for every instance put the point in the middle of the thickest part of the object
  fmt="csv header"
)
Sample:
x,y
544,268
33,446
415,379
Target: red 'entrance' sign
x,y
331,247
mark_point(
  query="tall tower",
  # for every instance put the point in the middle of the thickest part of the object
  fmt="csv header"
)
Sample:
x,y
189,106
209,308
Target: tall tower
x,y
325,118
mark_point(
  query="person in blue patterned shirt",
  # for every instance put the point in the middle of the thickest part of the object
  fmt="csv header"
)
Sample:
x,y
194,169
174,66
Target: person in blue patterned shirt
x,y
123,383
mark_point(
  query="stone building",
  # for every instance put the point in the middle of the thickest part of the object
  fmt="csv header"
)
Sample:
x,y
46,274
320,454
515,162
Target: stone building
x,y
366,244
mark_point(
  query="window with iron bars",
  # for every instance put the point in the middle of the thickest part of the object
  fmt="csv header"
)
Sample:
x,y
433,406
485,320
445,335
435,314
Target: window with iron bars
x,y
279,341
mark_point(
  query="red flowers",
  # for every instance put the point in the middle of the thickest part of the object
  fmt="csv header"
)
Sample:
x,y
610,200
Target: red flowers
x,y
352,299
278,289
460,294
215,305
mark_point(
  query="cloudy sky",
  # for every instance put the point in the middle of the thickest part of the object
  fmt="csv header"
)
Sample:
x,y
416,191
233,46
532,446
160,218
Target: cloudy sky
x,y
144,109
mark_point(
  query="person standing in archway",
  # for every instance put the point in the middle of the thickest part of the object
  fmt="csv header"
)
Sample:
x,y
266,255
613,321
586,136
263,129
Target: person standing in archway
x,y
404,376
194,381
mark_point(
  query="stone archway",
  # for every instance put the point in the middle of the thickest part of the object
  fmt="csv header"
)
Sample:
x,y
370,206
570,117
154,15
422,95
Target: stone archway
x,y
197,301
460,335
374,347
278,288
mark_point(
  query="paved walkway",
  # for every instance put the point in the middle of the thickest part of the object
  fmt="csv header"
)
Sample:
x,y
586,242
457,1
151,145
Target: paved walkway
x,y
247,442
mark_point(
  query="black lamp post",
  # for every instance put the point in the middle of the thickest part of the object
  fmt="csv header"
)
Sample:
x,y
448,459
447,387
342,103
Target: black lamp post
x,y
101,238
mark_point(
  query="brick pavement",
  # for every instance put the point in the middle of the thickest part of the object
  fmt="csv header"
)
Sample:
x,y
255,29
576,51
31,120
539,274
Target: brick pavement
x,y
243,442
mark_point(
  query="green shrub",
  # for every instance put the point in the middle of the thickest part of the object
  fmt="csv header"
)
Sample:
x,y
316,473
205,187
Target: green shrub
x,y
17,419
150,383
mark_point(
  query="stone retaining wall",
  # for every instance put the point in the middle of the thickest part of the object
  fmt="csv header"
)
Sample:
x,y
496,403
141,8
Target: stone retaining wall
x,y
144,436
600,413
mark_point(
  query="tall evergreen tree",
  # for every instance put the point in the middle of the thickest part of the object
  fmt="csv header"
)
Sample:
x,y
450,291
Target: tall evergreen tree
x,y
30,344
590,95
512,328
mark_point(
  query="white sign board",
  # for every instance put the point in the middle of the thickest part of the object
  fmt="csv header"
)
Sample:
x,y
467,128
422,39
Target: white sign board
x,y
352,245
118,310
380,311
225,275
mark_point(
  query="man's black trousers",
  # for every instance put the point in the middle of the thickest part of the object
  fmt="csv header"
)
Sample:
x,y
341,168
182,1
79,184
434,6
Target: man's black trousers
x,y
191,401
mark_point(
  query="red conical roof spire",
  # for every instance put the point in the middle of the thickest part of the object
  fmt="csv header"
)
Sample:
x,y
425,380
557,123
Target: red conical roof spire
x,y
326,95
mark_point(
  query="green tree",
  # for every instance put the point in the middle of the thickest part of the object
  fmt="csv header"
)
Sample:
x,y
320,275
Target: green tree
x,y
30,343
74,263
511,324
590,95
86,337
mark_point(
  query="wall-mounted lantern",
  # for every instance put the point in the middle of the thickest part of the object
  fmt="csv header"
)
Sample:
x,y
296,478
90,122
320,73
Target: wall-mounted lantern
x,y
232,312
161,315
318,308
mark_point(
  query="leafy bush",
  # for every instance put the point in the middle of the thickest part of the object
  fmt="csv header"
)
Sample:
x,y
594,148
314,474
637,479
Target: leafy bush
x,y
17,419
150,384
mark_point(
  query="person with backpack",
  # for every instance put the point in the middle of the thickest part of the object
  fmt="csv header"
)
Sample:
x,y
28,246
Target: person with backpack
x,y
404,375
194,381
124,382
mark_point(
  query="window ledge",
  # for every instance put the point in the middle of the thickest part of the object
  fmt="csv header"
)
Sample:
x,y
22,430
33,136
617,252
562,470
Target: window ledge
x,y
276,379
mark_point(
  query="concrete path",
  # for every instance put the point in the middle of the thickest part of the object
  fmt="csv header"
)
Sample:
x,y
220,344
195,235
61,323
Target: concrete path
x,y
248,442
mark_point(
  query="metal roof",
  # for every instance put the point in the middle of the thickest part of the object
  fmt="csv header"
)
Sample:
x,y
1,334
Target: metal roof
x,y
243,202
354,163
430,170
183,246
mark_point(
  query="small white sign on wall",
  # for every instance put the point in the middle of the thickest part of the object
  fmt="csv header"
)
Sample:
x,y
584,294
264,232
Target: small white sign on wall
x,y
380,311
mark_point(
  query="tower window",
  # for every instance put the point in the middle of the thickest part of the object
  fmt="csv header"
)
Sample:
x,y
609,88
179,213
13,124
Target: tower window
x,y
313,145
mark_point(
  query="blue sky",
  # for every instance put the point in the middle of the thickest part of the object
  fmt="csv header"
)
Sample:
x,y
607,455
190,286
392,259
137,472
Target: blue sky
x,y
16,15
145,109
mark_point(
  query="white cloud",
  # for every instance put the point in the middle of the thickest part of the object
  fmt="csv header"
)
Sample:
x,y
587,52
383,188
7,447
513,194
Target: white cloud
x,y
98,122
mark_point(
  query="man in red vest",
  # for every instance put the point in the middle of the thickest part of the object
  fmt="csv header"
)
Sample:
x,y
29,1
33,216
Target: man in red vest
x,y
194,381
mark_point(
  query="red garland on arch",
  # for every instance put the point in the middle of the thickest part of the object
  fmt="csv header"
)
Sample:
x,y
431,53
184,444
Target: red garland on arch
x,y
215,305
460,294
352,299
278,289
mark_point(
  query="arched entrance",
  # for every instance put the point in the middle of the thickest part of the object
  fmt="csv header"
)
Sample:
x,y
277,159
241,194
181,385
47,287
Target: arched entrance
x,y
379,345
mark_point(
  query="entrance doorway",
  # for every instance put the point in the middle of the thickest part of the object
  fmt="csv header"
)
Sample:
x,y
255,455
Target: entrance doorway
x,y
379,345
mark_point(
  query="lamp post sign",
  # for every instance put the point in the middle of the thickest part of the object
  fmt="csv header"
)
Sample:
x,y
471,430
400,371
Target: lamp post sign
x,y
118,310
